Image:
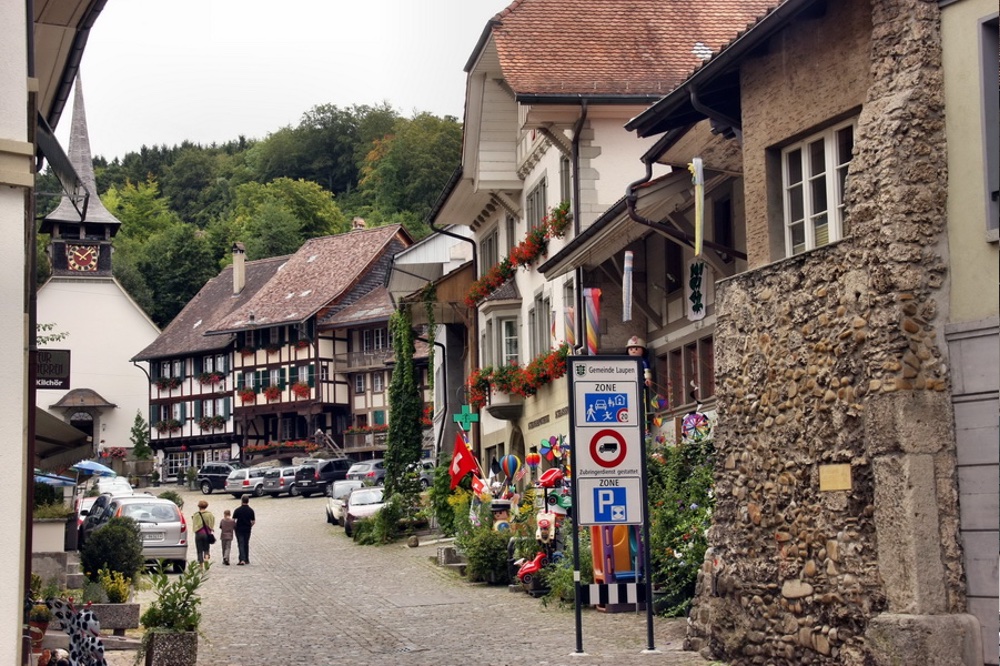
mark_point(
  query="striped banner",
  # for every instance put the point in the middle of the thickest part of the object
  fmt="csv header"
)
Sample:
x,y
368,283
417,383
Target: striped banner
x,y
598,594
570,326
592,300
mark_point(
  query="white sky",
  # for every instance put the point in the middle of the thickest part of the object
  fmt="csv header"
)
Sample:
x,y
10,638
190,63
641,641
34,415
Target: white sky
x,y
161,71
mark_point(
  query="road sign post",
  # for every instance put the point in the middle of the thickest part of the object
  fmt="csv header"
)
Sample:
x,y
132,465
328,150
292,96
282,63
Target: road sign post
x,y
608,457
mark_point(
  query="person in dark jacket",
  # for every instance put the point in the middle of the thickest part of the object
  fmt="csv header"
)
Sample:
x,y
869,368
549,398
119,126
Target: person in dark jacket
x,y
245,519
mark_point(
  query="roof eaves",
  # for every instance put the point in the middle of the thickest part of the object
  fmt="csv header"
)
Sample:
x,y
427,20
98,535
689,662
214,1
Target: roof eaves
x,y
651,120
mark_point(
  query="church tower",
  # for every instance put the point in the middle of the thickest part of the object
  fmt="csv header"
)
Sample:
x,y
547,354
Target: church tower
x,y
81,247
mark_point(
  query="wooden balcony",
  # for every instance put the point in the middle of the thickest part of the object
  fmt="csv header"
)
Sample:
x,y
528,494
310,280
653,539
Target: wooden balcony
x,y
362,360
371,441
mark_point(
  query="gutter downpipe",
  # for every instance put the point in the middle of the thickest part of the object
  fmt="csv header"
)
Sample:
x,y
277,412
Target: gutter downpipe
x,y
447,401
30,297
714,115
577,128
578,294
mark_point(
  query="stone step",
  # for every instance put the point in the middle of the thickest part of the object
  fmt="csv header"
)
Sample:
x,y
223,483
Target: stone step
x,y
75,580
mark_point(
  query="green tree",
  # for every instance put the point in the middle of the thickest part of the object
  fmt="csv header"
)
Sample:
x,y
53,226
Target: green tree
x,y
404,437
271,232
43,337
186,182
177,263
139,435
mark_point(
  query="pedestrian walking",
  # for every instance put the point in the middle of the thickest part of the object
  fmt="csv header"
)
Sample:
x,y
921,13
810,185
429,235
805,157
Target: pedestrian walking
x,y
245,519
226,530
203,524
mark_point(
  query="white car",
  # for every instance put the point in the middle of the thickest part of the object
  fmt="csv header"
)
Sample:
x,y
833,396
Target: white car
x,y
362,503
337,499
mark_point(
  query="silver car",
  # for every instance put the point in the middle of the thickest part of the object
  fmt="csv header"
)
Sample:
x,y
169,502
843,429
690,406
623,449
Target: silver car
x,y
242,482
163,527
278,480
337,499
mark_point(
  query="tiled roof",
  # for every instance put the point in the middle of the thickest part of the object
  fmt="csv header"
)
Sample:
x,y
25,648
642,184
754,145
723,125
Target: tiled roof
x,y
613,47
373,307
185,335
322,270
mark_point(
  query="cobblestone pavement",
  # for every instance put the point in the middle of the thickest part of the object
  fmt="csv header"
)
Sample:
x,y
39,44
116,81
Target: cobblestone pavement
x,y
311,596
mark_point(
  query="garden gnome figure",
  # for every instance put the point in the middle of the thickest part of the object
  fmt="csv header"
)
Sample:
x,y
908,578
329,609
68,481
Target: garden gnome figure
x,y
637,347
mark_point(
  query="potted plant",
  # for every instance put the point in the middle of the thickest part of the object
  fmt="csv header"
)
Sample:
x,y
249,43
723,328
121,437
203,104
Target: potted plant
x,y
301,390
192,477
114,610
171,620
154,478
39,617
247,395
272,393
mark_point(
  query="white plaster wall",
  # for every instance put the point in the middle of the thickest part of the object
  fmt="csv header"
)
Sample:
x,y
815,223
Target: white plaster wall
x,y
13,359
106,329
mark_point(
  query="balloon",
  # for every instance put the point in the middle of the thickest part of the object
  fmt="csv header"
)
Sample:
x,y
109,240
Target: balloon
x,y
510,464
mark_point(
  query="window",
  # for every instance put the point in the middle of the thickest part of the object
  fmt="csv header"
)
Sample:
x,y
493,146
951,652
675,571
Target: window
x,y
359,383
287,429
489,251
378,382
508,341
991,124
691,373
673,265
535,206
302,374
274,377
565,180
813,175
541,323
510,230
722,224
381,340
324,373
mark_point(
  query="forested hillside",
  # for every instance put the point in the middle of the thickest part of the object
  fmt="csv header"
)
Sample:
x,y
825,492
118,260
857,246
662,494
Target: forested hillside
x,y
182,207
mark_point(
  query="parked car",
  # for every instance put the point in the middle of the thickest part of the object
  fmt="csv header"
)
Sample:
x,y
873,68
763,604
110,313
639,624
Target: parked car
x,y
426,469
361,503
96,514
213,475
337,498
315,477
83,506
278,480
163,527
372,472
246,481
117,485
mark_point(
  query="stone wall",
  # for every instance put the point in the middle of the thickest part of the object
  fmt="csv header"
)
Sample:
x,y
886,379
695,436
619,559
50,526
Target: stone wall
x,y
834,361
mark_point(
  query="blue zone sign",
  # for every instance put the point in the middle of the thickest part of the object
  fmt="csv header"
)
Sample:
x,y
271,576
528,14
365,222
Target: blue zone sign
x,y
605,408
610,505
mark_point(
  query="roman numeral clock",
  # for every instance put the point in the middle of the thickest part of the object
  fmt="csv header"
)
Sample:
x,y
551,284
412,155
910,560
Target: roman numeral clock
x,y
82,258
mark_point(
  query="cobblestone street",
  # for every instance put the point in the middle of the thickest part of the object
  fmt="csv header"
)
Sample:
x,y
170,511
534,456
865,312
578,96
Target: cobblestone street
x,y
311,596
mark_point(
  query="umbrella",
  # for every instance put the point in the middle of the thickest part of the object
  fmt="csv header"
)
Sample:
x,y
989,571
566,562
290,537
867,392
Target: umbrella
x,y
95,468
54,479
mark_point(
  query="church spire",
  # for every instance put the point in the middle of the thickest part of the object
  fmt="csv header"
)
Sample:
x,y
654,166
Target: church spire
x,y
81,247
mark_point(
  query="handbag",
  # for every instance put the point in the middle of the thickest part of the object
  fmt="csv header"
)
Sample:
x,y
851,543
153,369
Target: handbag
x,y
210,535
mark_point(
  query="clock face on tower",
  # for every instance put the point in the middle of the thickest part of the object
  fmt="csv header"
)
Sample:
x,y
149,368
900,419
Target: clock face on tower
x,y
82,257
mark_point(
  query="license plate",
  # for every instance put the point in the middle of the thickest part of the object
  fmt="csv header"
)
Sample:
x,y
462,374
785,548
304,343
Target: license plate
x,y
152,536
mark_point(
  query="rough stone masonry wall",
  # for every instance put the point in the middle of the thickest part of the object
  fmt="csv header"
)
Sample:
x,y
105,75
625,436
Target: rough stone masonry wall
x,y
835,357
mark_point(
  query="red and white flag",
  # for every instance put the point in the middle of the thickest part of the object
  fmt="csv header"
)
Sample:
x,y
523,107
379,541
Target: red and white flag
x,y
478,485
462,461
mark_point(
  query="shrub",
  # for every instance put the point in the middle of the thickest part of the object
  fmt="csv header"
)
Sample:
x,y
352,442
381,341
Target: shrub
x,y
441,507
46,494
174,497
117,586
558,574
116,547
680,499
93,593
485,550
175,607
383,527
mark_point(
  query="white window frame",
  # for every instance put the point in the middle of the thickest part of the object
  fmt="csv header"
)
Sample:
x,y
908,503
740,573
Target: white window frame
x,y
534,205
359,383
378,382
489,251
381,338
508,338
274,377
828,175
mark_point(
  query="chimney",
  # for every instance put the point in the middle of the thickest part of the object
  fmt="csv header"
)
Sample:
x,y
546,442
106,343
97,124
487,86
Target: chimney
x,y
239,268
357,223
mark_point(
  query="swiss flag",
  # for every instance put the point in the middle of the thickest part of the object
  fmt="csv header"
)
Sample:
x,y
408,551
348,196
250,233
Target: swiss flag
x,y
478,485
462,461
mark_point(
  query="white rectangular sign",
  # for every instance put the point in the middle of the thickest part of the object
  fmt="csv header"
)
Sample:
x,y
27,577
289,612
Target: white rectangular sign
x,y
616,501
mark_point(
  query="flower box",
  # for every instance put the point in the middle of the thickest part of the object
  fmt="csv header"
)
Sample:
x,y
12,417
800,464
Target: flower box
x,y
117,617
272,393
301,390
167,383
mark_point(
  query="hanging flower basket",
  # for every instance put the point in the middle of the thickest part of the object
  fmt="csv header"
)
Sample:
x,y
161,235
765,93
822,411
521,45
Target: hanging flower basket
x,y
272,393
273,349
211,422
303,343
301,390
168,425
247,351
248,395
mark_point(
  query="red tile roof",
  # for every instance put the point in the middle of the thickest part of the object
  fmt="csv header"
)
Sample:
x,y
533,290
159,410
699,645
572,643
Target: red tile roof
x,y
185,335
320,272
613,47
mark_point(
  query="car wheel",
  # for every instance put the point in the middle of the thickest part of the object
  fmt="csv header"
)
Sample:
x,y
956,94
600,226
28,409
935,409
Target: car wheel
x,y
206,487
258,491
380,482
526,579
180,566
348,530
293,491
329,518
425,484
306,494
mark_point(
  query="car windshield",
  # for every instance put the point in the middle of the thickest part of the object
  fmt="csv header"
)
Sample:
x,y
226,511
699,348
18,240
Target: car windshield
x,y
361,497
274,473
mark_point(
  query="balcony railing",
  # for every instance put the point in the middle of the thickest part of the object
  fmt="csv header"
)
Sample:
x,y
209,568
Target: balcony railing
x,y
365,441
364,359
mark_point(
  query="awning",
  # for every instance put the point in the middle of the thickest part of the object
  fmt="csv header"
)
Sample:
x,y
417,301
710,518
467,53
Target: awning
x,y
58,444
